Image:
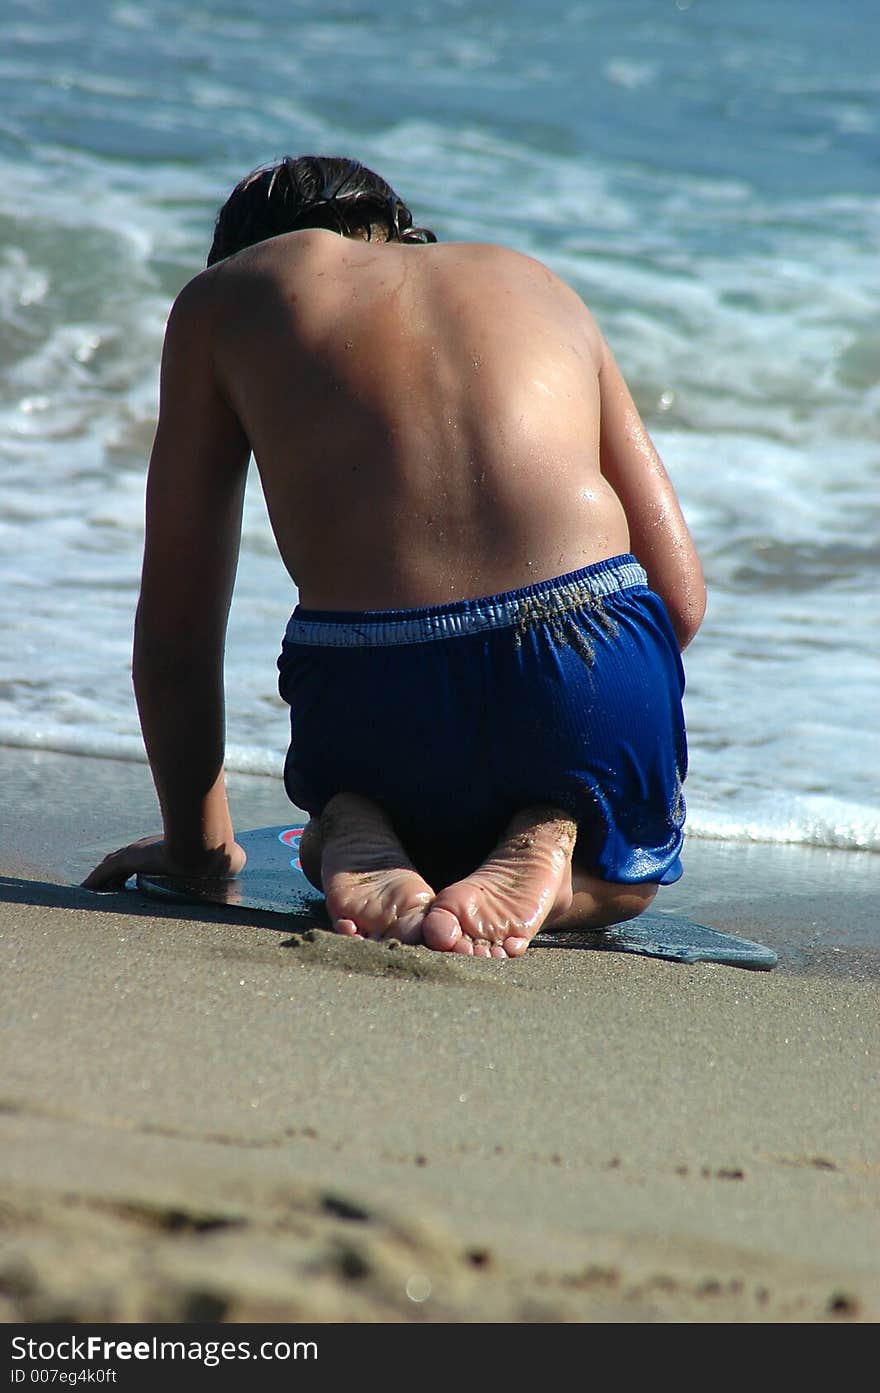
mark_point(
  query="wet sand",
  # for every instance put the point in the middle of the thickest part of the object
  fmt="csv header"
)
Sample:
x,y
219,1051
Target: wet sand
x,y
211,1116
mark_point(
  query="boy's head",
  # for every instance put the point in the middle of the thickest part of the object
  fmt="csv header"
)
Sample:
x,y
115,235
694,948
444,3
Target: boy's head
x,y
312,191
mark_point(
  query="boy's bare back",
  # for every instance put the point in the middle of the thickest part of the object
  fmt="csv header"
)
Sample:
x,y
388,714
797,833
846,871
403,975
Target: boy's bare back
x,y
425,419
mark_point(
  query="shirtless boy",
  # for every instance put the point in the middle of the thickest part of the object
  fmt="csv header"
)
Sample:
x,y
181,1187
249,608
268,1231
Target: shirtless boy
x,y
495,577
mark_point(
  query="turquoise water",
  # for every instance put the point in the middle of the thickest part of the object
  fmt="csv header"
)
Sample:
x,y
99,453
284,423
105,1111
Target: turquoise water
x,y
705,174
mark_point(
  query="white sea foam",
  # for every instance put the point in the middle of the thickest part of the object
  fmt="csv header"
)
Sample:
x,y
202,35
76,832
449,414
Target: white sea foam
x,y
817,821
88,741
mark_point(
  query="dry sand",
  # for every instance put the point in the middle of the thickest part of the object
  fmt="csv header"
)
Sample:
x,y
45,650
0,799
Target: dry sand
x,y
208,1116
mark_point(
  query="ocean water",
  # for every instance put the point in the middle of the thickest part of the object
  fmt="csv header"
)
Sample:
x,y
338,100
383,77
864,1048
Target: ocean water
x,y
705,173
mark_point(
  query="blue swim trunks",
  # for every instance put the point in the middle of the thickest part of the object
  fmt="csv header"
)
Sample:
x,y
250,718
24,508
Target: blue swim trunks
x,y
456,717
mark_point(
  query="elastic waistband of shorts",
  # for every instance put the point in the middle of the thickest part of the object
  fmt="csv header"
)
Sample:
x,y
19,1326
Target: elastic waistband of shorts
x,y
383,628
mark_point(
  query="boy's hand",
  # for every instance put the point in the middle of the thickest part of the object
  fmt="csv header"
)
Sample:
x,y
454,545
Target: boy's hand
x,y
149,857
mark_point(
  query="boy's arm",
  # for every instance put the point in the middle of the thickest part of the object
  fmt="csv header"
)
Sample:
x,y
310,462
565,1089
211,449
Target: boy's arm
x,y
659,535
195,493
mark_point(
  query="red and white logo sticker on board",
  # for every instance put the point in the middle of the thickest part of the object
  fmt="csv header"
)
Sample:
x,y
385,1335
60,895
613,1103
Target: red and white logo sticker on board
x,y
291,837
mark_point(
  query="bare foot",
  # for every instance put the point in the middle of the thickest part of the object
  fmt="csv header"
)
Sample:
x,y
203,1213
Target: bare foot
x,y
371,886
526,882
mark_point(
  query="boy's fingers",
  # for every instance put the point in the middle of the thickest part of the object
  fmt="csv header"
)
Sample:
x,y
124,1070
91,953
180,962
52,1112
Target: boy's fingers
x,y
102,879
115,869
111,874
148,856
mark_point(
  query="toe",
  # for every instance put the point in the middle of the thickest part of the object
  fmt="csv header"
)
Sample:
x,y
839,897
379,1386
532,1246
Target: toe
x,y
497,951
441,930
515,946
482,949
356,921
347,927
407,928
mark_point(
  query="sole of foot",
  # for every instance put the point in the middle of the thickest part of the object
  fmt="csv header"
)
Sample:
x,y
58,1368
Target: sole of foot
x,y
525,883
371,887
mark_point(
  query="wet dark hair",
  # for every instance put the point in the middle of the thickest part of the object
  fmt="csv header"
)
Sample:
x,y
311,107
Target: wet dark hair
x,y
312,191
